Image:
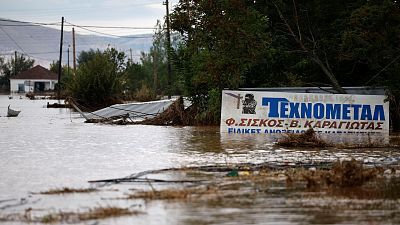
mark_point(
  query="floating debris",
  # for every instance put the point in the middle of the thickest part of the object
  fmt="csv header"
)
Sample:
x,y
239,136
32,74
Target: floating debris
x,y
306,139
11,112
235,181
58,105
67,190
342,174
168,194
69,217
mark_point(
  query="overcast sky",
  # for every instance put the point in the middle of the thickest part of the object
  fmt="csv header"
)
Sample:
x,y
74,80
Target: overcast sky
x,y
132,13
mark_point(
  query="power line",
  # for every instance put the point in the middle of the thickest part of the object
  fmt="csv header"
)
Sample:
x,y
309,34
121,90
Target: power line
x,y
80,8
26,23
83,27
23,25
113,27
27,54
112,35
12,39
39,53
34,53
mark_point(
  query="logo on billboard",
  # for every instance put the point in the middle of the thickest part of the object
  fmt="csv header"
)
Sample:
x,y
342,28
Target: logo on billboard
x,y
249,104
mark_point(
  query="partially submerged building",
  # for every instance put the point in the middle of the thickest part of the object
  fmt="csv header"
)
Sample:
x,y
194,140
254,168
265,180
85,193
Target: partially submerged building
x,y
36,79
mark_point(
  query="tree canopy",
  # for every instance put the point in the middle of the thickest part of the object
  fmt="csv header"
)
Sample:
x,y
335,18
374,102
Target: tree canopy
x,y
12,67
237,43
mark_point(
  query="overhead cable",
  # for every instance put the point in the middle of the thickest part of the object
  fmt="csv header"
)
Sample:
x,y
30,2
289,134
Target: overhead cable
x,y
112,27
112,35
25,23
12,39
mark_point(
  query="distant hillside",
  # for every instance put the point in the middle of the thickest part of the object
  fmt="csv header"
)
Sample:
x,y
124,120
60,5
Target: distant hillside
x,y
43,43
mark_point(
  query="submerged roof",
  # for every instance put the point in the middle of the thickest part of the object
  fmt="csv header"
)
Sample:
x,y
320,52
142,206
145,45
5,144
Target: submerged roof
x,y
135,111
36,73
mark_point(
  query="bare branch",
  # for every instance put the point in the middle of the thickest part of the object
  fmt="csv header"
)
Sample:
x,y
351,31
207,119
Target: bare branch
x,y
384,68
309,29
297,51
327,62
311,53
286,23
296,17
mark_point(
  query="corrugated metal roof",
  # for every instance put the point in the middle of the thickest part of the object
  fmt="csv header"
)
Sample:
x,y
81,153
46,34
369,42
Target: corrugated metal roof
x,y
135,111
36,73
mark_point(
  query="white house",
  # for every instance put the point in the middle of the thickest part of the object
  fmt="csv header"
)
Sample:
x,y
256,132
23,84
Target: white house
x,y
36,79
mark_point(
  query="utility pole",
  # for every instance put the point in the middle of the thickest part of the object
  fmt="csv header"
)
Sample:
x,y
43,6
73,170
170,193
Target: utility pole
x,y
68,61
168,49
73,49
155,77
15,63
60,59
131,55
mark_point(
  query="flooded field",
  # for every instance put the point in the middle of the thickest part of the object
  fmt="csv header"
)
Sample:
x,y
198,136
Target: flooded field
x,y
52,149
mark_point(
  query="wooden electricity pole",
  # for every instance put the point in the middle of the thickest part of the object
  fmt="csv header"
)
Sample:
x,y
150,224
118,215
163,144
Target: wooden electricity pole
x,y
15,63
155,76
168,49
73,51
68,61
60,59
130,50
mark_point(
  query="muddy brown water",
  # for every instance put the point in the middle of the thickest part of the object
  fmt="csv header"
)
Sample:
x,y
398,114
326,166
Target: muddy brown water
x,y
43,149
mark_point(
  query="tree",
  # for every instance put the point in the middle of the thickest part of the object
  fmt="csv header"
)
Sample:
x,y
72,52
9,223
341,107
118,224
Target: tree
x,y
1,64
86,56
315,41
3,79
151,73
371,45
100,81
222,40
65,75
15,66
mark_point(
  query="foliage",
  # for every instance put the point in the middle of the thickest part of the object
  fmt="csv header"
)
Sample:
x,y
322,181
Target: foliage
x,y
210,108
222,40
99,82
151,72
67,73
3,79
86,56
236,43
145,94
371,42
14,66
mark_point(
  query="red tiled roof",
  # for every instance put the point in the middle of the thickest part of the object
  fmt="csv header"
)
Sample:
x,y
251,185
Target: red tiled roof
x,y
36,73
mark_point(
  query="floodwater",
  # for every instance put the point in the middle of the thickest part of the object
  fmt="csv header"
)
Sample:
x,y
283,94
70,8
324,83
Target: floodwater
x,y
46,148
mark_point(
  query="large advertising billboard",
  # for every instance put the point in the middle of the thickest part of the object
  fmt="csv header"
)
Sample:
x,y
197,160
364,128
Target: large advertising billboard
x,y
257,112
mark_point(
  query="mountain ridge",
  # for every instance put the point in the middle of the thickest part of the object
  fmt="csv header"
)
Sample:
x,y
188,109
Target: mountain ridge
x,y
42,43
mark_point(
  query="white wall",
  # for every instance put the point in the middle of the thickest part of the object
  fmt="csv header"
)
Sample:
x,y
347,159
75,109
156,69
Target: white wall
x,y
14,83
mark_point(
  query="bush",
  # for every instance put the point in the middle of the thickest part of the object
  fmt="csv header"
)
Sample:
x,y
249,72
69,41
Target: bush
x,y
145,94
98,83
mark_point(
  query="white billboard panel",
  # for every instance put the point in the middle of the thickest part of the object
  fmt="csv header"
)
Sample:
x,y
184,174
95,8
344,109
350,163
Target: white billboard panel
x,y
256,112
